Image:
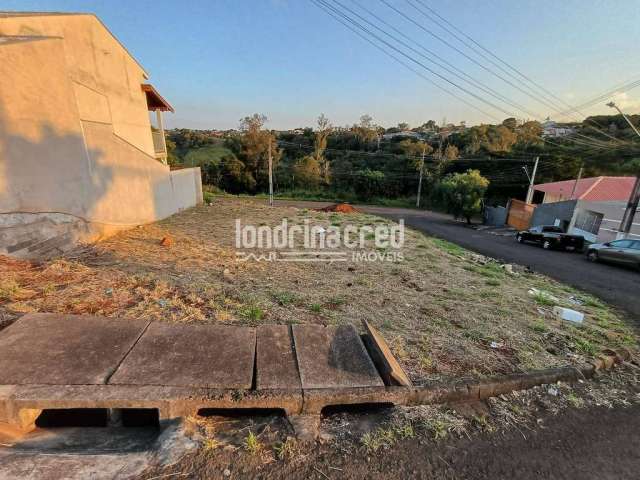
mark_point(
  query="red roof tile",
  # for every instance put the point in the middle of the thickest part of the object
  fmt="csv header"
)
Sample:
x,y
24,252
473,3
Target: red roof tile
x,y
593,189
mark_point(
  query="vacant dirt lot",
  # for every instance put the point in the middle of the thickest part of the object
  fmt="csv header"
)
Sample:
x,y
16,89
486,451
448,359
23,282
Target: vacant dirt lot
x,y
447,314
444,311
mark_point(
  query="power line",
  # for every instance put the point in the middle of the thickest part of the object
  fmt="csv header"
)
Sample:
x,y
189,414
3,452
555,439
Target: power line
x,y
525,77
471,59
351,20
401,62
333,11
432,157
522,75
410,58
456,71
545,101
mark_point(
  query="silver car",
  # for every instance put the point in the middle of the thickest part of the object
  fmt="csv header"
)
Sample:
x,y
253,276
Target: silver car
x,y
626,252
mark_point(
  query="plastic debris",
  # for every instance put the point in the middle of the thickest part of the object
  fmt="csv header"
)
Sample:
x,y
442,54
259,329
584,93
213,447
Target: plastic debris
x,y
568,314
534,292
509,269
481,259
575,300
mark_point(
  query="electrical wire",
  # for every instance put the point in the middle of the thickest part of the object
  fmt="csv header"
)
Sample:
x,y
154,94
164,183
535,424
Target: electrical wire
x,y
409,57
331,9
525,77
450,68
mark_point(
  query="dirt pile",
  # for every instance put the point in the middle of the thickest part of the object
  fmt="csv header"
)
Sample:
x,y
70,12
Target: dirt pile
x,y
340,208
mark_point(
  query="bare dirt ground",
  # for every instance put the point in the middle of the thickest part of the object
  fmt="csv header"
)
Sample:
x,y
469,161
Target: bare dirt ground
x,y
588,431
447,314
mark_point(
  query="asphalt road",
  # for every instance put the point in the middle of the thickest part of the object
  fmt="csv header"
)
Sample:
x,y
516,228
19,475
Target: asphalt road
x,y
616,285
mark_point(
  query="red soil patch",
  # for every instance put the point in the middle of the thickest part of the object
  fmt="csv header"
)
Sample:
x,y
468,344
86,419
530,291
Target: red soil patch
x,y
340,208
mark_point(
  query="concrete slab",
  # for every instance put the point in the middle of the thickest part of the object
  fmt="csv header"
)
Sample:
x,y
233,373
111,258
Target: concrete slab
x,y
276,365
333,357
54,349
212,356
391,371
172,402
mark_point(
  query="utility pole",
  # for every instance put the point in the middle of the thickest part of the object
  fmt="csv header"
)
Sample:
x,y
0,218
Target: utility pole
x,y
424,151
270,176
575,184
531,182
634,198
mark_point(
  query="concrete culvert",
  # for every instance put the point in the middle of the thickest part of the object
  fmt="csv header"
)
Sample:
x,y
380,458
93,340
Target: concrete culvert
x,y
73,417
98,417
356,408
241,412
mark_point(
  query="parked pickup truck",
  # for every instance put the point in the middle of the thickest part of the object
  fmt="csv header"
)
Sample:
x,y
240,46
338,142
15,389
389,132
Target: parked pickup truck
x,y
550,236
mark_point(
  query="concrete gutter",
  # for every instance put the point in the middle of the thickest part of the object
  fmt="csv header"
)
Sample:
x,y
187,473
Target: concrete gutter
x,y
20,404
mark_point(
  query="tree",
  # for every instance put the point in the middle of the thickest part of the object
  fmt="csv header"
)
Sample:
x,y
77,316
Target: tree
x,y
172,157
255,144
429,127
366,130
462,193
320,145
307,172
402,126
511,123
368,183
491,138
415,150
235,178
530,133
451,152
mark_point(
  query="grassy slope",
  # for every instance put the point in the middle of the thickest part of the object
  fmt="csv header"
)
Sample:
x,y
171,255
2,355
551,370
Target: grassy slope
x,y
444,314
212,154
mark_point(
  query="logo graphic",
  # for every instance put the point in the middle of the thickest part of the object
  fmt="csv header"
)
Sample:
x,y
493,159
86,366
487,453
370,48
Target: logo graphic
x,y
315,243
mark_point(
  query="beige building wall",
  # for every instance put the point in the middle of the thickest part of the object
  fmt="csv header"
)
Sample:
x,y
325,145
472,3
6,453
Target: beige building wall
x,y
75,138
95,60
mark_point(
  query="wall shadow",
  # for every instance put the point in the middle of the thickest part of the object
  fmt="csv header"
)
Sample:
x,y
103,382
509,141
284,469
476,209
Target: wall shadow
x,y
53,174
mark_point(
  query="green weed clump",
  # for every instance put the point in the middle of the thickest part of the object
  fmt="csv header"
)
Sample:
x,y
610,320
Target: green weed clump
x,y
252,444
386,437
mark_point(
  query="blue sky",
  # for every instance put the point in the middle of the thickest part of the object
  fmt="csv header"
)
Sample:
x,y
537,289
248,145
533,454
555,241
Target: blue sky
x,y
219,60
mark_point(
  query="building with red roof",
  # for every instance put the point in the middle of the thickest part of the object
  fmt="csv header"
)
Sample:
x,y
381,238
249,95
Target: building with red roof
x,y
595,189
591,207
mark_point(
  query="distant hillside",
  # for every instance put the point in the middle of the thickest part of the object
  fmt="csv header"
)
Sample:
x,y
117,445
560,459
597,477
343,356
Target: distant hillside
x,y
209,155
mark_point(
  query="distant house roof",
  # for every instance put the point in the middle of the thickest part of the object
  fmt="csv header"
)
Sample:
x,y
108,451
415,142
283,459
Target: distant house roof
x,y
594,189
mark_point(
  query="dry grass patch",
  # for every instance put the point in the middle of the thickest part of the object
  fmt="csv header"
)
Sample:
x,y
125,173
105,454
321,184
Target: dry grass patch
x,y
444,314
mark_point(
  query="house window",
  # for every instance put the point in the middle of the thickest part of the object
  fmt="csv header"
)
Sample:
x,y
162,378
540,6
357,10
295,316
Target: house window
x,y
588,221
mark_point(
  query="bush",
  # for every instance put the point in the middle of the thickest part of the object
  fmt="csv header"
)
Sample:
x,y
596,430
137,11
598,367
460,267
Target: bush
x,y
368,183
461,194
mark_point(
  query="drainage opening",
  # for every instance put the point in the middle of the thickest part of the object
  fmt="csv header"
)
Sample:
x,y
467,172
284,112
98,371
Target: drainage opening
x,y
140,417
240,412
73,417
357,408
99,417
